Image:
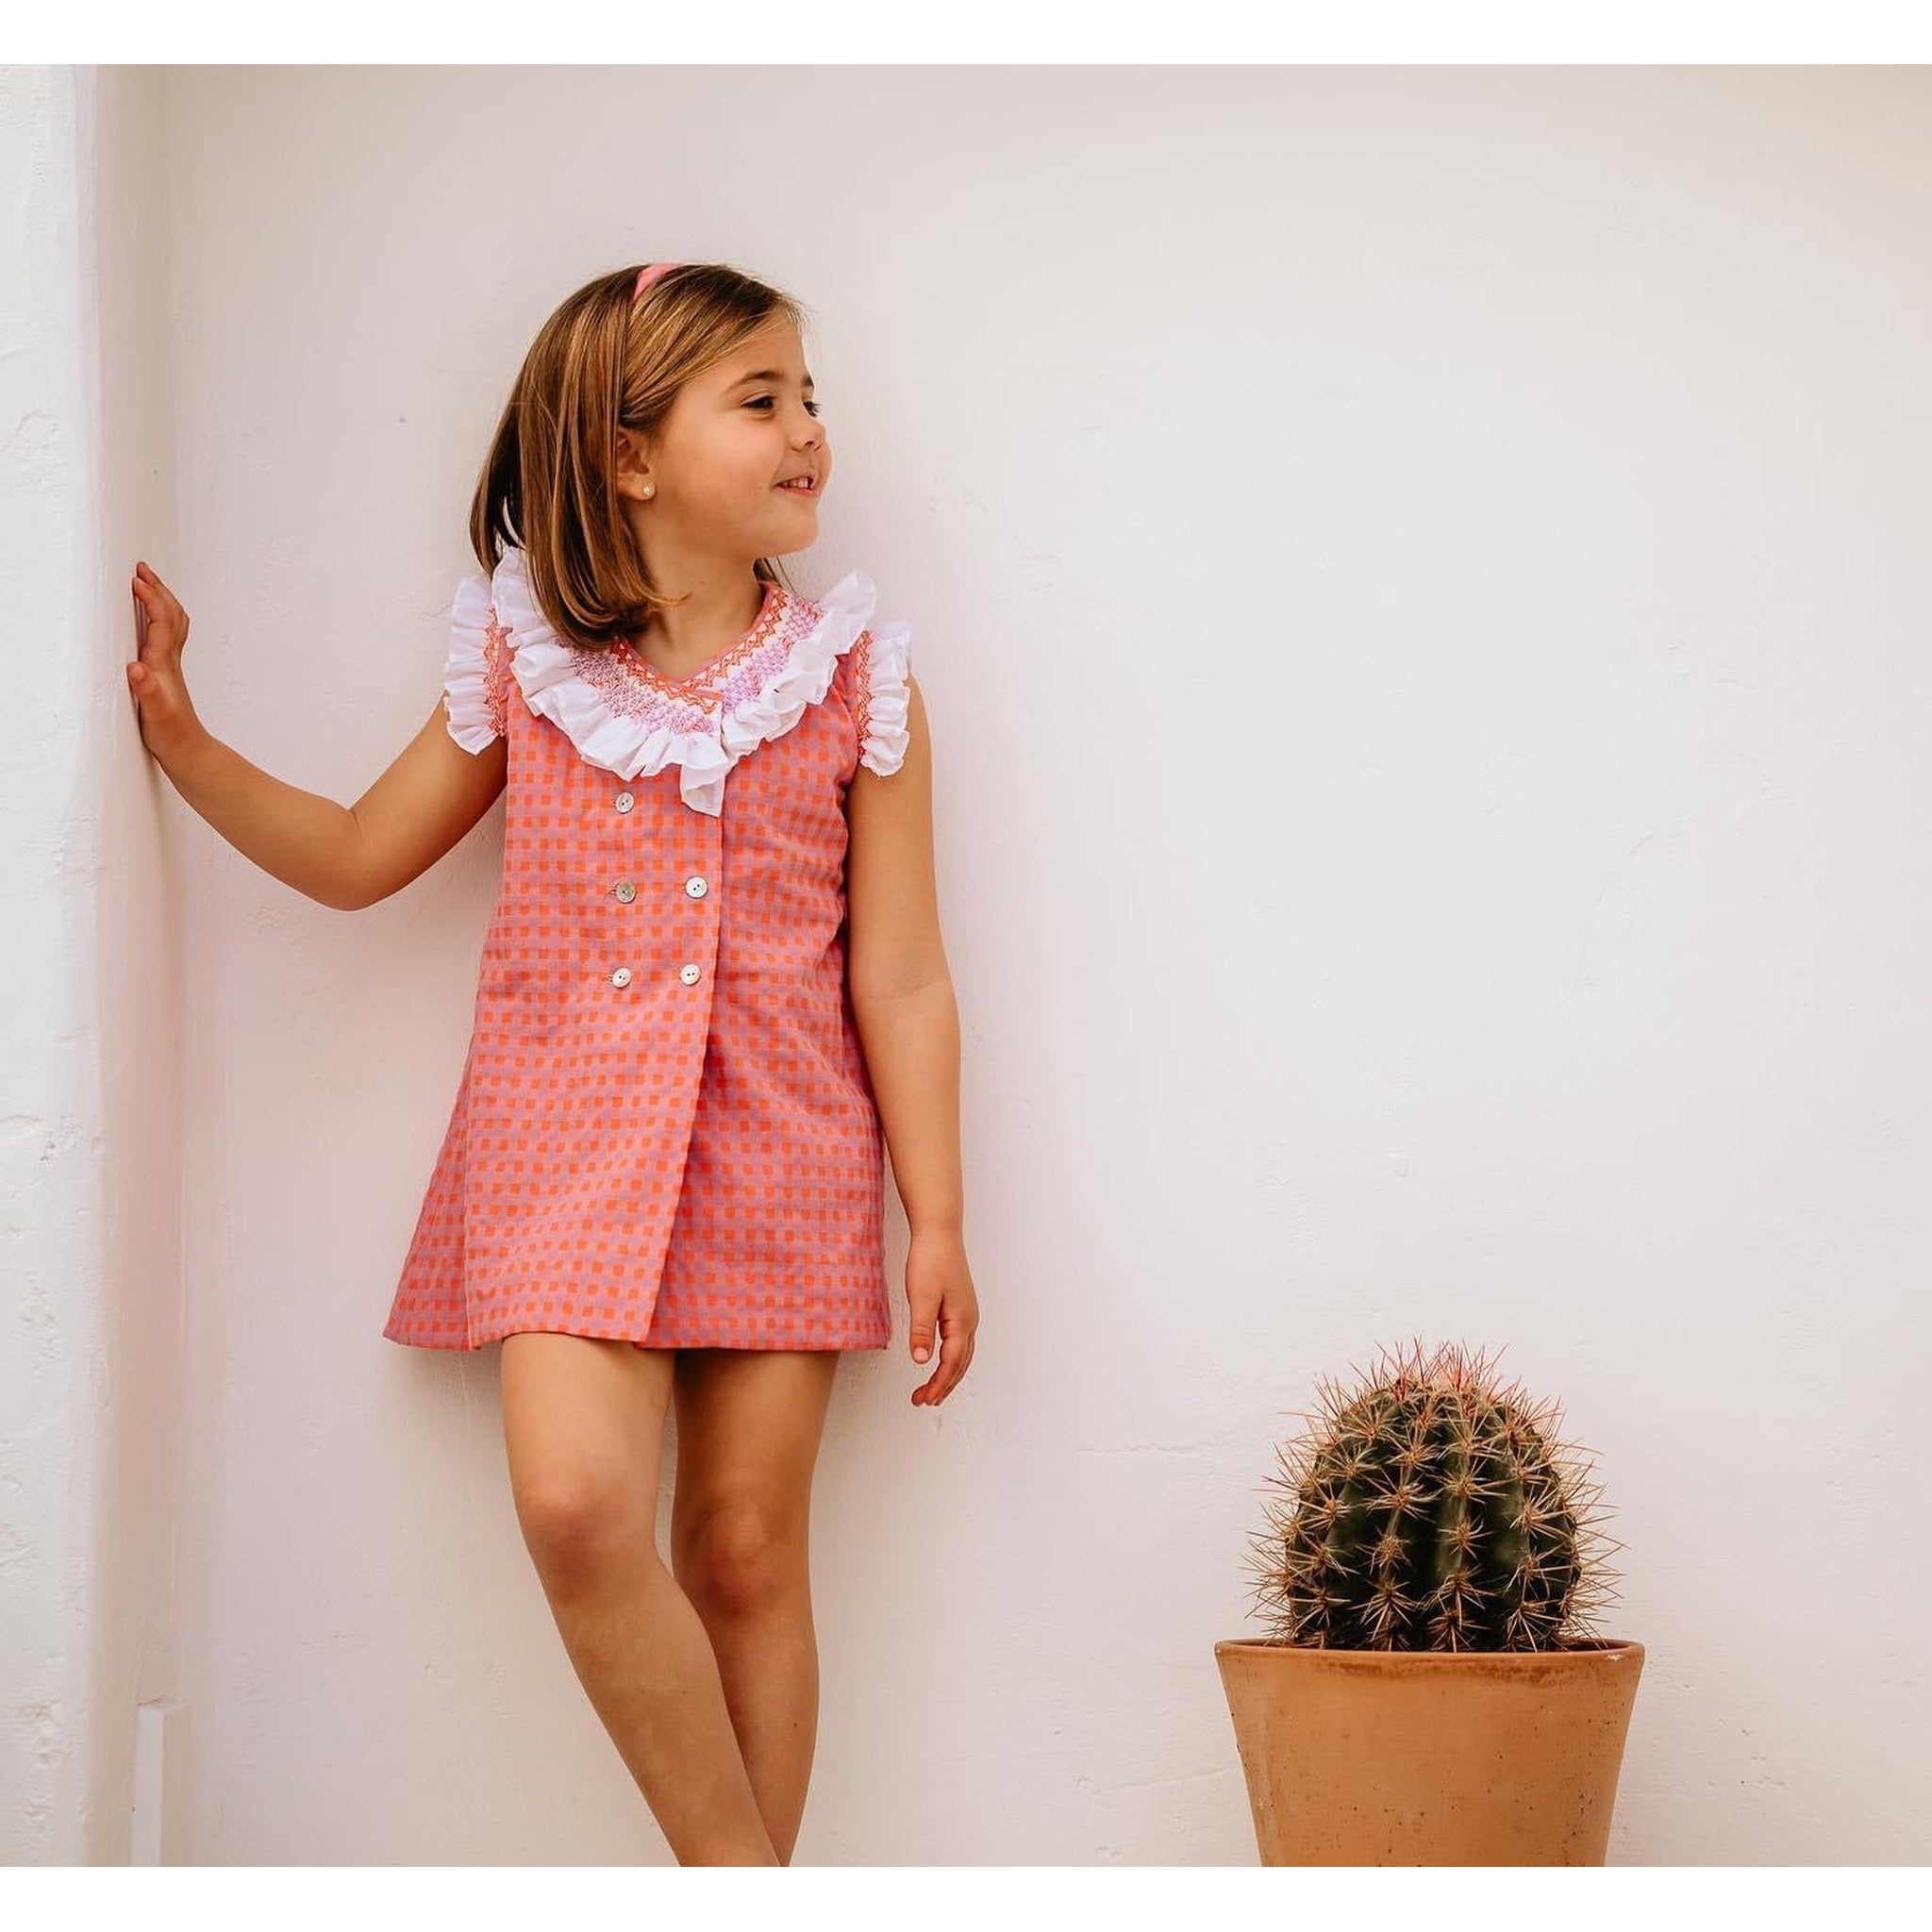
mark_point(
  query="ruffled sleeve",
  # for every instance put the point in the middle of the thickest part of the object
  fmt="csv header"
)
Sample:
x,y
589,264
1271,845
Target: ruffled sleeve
x,y
475,675
883,666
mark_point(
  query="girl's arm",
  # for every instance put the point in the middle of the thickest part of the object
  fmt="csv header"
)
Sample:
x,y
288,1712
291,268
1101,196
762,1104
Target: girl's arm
x,y
902,989
345,857
908,1025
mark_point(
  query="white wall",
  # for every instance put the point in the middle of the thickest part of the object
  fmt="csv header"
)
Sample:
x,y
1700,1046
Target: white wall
x,y
1417,577
90,1172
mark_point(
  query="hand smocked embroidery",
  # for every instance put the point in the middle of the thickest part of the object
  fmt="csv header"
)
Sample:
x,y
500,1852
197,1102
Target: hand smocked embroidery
x,y
759,643
496,673
634,724
622,712
634,685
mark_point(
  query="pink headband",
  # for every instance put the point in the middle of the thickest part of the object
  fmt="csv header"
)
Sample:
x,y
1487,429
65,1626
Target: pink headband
x,y
649,274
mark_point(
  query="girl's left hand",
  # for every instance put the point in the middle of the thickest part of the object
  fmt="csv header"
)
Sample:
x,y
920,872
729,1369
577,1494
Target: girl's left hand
x,y
939,1288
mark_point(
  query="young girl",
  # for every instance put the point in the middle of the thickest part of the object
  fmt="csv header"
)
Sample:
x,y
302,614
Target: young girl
x,y
712,983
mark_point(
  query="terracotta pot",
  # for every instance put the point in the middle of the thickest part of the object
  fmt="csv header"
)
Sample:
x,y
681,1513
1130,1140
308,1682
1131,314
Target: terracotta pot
x,y
1431,1757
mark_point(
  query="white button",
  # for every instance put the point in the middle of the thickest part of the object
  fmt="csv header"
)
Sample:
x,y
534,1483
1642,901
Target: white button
x,y
696,887
689,974
622,976
626,800
625,891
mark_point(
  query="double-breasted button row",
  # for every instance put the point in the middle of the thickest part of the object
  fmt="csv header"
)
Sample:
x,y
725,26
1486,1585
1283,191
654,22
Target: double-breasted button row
x,y
691,973
695,888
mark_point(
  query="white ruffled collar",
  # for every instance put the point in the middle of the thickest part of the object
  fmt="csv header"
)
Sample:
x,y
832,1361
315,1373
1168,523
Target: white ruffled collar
x,y
626,715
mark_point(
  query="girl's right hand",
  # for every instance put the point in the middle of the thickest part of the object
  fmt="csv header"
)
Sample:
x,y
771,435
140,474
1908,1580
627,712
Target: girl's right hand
x,y
167,718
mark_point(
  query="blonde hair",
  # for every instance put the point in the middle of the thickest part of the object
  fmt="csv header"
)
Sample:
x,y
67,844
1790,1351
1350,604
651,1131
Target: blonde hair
x,y
604,361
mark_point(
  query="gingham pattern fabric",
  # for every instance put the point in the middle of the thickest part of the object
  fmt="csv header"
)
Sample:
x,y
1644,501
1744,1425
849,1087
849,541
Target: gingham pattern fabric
x,y
664,1129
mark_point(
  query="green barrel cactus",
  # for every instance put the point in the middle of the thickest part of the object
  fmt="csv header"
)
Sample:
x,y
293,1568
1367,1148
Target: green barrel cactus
x,y
1430,1509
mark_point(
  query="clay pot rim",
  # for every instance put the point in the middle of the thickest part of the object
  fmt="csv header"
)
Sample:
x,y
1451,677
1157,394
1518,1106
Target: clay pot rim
x,y
1580,1653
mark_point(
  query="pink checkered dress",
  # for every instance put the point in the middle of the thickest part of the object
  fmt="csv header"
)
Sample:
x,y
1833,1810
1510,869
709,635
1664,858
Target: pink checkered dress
x,y
664,1131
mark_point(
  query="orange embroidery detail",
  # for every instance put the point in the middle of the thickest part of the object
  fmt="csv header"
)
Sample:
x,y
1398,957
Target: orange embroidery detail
x,y
495,667
861,659
688,688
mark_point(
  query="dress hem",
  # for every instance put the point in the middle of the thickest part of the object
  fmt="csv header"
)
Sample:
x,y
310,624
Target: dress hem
x,y
462,1345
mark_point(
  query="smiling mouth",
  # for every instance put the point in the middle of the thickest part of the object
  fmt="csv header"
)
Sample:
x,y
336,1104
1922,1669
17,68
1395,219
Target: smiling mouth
x,y
806,488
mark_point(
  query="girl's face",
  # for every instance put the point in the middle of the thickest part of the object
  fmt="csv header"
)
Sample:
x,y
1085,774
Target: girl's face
x,y
733,438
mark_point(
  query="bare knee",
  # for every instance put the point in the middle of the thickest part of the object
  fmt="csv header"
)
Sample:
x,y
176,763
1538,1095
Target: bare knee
x,y
583,1420
574,1519
740,1558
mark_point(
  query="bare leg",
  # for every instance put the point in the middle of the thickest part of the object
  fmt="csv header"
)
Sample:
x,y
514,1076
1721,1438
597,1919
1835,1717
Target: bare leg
x,y
749,1422
583,1425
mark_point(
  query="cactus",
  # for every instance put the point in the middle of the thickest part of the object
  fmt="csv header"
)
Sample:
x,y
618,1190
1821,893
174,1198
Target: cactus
x,y
1431,1510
